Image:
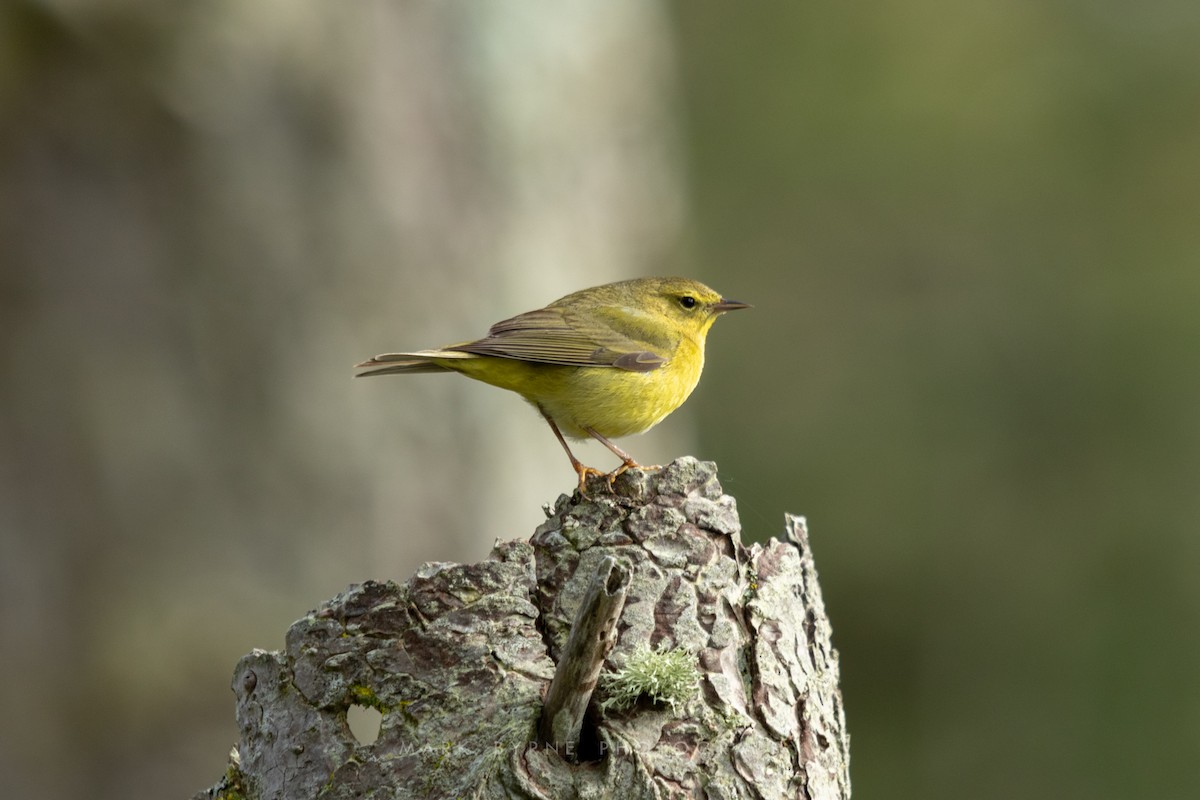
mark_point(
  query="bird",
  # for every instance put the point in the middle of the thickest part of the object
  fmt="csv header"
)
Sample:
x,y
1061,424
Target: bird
x,y
602,363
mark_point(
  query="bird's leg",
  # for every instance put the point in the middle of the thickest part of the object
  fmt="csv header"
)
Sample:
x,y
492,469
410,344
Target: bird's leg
x,y
626,459
580,469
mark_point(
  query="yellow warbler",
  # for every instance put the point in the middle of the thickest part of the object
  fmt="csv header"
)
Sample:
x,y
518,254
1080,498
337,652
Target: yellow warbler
x,y
603,362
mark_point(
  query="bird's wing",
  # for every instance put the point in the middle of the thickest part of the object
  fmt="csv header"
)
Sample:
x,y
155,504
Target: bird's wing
x,y
555,335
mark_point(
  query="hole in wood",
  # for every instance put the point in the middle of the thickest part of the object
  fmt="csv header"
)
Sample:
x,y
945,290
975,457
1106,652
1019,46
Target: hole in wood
x,y
590,746
364,723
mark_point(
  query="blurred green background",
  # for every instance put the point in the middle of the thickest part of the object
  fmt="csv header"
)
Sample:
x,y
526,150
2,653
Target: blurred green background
x,y
971,233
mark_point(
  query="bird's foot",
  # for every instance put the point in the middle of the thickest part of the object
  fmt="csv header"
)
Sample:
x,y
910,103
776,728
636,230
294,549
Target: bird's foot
x,y
625,467
584,472
610,478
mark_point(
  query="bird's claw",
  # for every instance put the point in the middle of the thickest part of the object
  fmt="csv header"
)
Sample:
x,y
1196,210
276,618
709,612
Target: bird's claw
x,y
609,477
621,470
584,472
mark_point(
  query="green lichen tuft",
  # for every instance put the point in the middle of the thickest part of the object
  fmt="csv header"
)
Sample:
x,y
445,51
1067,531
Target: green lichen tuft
x,y
232,785
365,696
666,677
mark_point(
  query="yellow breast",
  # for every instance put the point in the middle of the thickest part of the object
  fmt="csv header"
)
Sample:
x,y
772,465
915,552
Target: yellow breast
x,y
617,403
611,401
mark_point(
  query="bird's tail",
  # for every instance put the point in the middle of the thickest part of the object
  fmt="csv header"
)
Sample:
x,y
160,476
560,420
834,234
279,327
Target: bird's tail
x,y
403,363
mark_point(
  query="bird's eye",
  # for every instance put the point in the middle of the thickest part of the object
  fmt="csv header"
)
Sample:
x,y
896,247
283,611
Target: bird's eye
x,y
687,301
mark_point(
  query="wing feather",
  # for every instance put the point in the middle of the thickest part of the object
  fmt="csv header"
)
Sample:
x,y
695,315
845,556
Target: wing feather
x,y
556,335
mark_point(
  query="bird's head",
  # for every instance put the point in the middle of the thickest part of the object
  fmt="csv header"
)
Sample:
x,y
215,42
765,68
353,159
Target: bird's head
x,y
689,305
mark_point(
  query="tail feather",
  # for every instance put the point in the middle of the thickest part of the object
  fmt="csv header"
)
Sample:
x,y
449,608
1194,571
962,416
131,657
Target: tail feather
x,y
405,363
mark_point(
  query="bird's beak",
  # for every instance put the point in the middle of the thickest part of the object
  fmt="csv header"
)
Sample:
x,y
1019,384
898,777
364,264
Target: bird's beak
x,y
729,305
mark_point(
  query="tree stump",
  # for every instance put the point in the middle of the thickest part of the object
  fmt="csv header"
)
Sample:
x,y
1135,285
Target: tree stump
x,y
459,660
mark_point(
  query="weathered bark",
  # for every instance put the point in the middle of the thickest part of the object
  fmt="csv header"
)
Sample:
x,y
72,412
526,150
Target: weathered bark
x,y
592,638
459,658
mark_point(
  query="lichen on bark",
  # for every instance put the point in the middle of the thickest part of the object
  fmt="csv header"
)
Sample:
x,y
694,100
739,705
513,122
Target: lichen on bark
x,y
458,658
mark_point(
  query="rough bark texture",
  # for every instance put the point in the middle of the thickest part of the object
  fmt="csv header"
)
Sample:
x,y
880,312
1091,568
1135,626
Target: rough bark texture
x,y
458,658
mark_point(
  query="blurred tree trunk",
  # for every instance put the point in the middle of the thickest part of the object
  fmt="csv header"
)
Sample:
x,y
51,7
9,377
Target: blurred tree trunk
x,y
458,661
208,213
